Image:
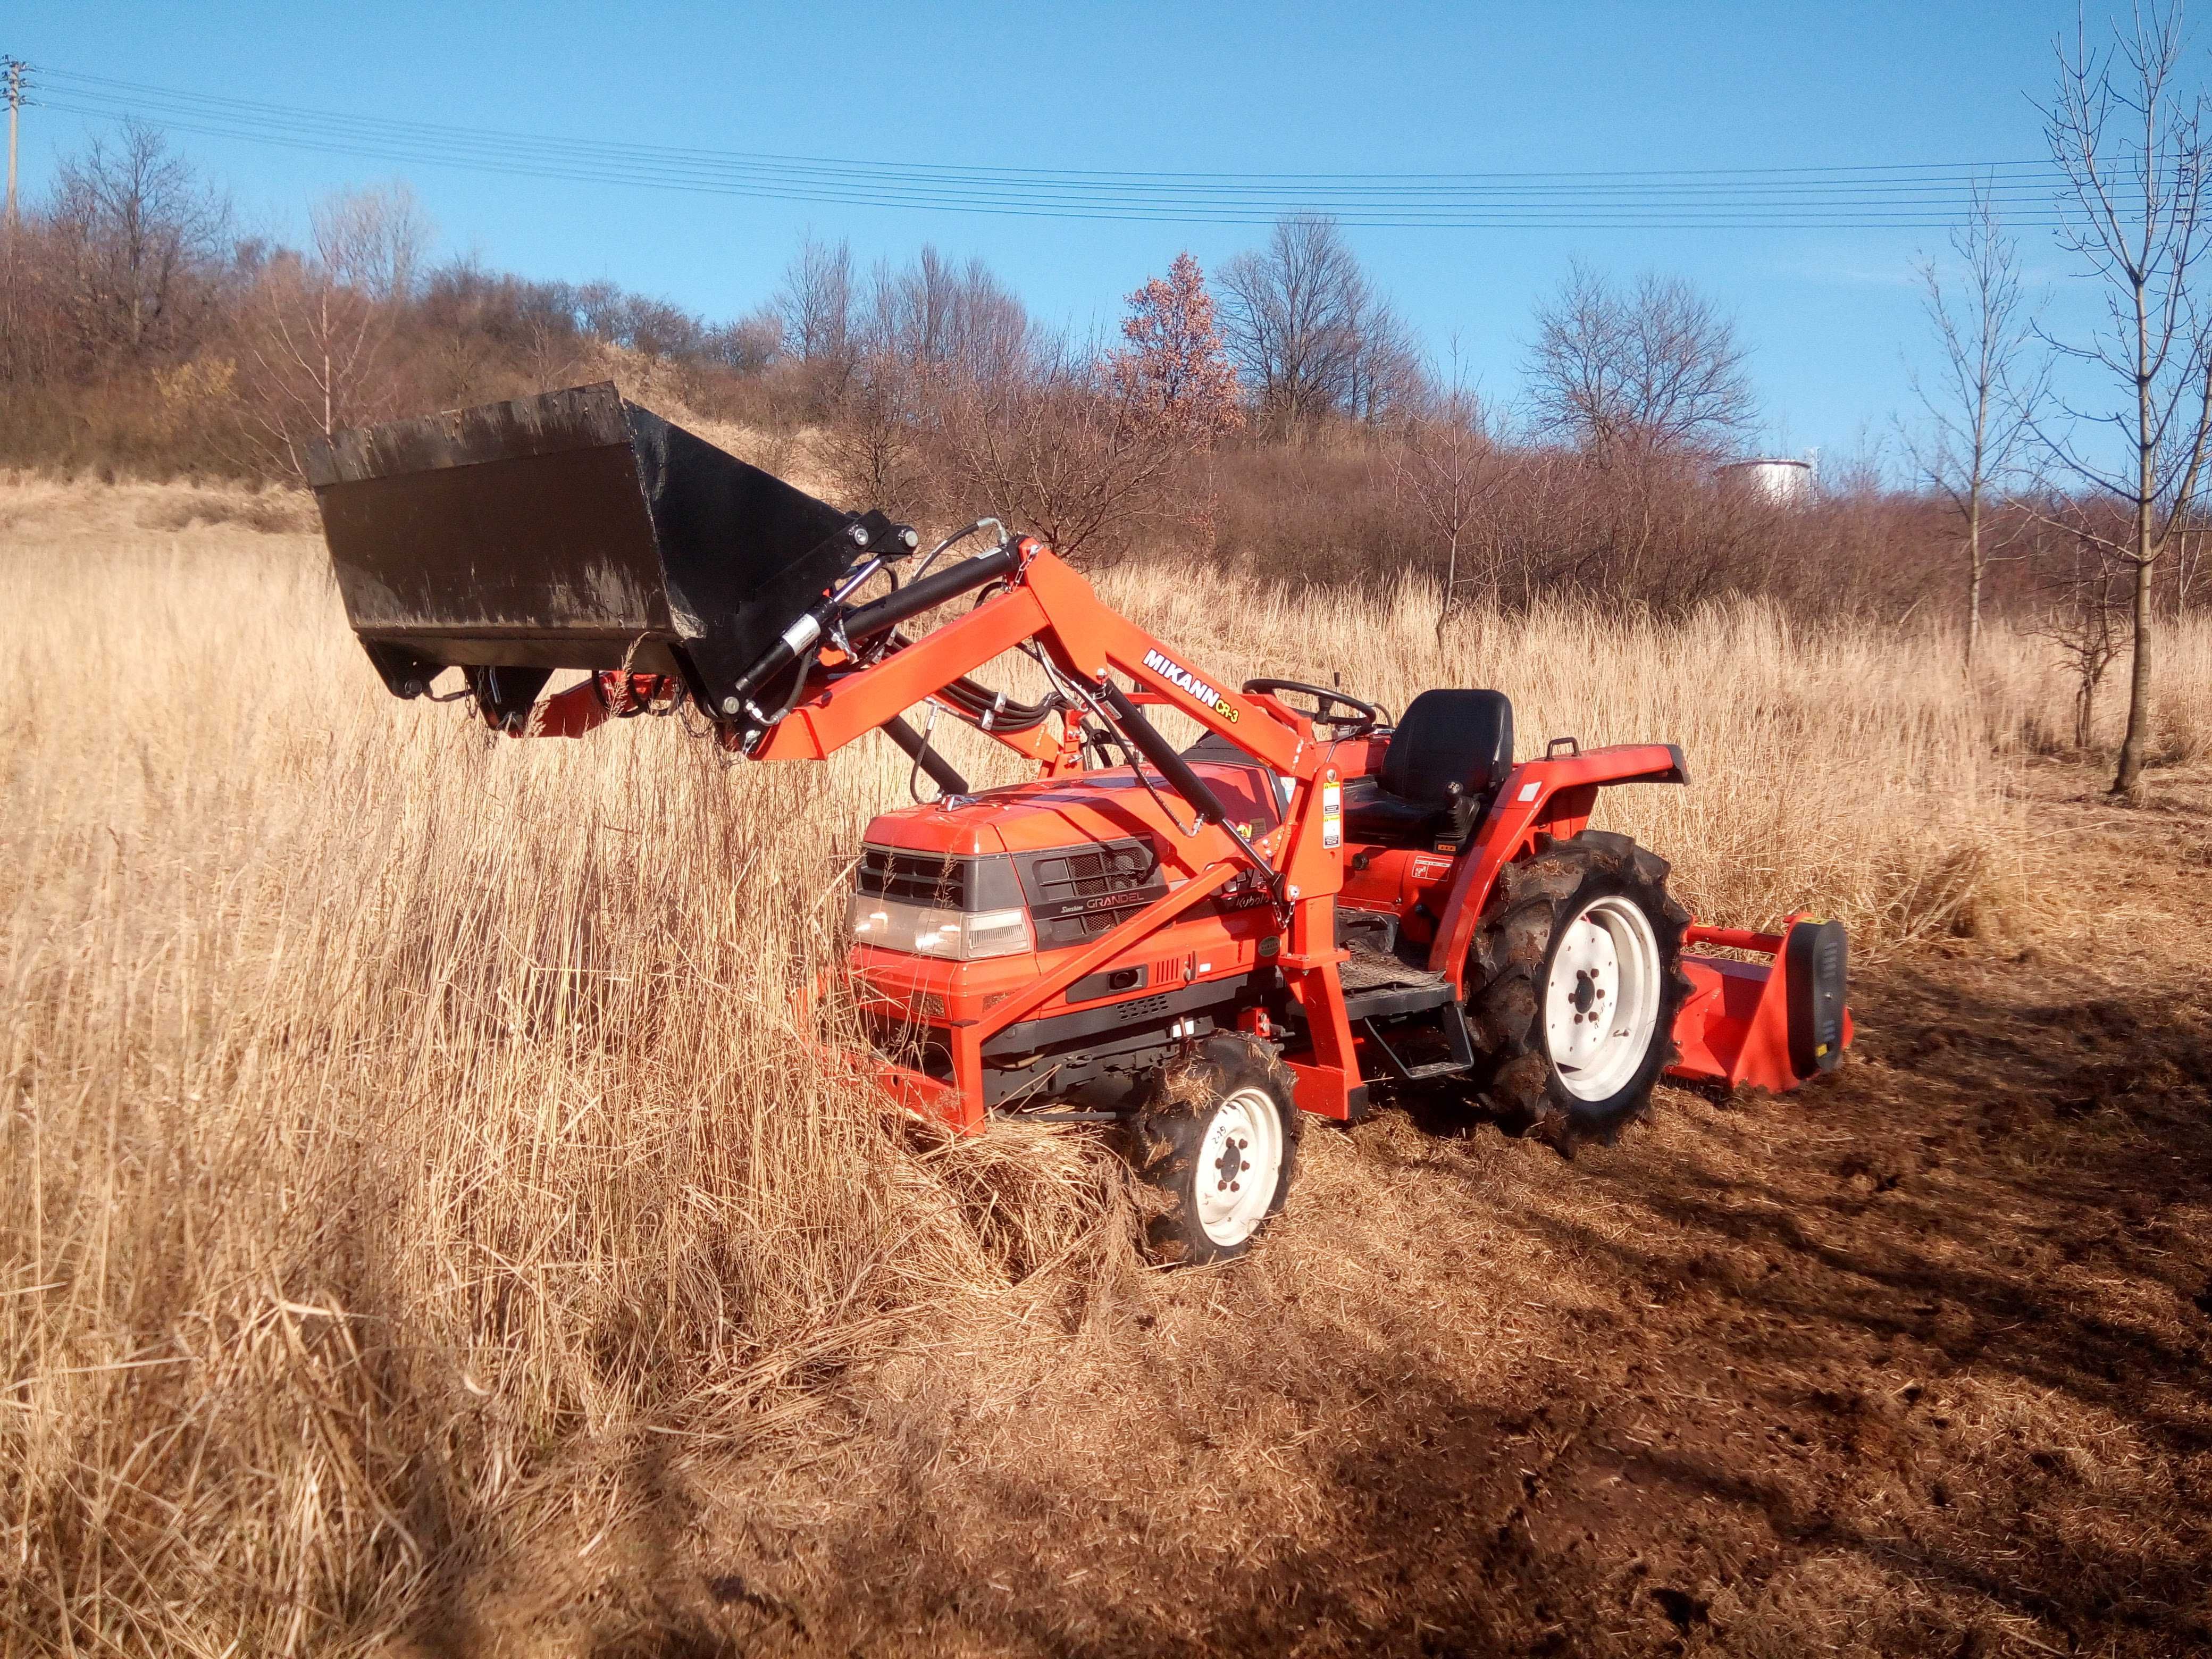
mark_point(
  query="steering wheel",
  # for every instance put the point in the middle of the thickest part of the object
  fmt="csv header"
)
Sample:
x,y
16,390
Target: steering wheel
x,y
1361,718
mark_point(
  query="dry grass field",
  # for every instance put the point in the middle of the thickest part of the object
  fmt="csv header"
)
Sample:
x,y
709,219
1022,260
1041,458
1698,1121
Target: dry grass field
x,y
425,1233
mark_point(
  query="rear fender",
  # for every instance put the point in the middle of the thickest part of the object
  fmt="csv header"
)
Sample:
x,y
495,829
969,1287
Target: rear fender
x,y
1551,797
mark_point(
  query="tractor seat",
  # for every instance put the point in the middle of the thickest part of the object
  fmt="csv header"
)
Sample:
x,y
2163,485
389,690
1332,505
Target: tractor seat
x,y
1446,759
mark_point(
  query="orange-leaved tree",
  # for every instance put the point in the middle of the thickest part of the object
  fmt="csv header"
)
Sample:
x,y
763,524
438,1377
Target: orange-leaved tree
x,y
1174,374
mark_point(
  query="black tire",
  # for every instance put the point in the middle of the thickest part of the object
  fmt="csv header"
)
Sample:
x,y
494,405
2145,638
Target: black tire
x,y
1520,934
1170,1152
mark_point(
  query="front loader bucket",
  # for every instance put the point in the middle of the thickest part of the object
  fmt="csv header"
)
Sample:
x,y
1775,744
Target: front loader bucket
x,y
572,529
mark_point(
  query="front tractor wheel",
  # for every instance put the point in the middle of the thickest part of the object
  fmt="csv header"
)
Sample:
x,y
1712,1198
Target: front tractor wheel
x,y
1218,1145
1577,979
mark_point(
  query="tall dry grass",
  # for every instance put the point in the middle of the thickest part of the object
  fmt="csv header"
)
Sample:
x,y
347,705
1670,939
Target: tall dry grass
x,y
412,1157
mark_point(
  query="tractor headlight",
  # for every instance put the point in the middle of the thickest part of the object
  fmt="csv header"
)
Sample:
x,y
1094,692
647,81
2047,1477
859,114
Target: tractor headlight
x,y
958,935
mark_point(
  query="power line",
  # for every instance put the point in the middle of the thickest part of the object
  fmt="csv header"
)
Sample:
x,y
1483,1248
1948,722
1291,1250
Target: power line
x,y
1895,196
294,113
1865,193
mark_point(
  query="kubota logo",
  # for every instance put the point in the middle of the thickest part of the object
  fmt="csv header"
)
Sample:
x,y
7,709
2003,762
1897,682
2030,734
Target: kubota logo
x,y
1183,680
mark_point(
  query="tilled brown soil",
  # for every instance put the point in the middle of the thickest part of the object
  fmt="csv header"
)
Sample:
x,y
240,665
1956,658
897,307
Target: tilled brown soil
x,y
1912,1361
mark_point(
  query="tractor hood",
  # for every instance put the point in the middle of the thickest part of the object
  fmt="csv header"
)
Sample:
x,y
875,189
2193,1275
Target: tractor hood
x,y
1082,811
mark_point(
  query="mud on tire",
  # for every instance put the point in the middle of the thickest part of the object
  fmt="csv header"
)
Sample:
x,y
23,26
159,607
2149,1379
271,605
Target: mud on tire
x,y
1214,1121
1578,887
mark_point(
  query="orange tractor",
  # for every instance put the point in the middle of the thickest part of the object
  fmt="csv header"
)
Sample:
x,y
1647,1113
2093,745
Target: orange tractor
x,y
1314,902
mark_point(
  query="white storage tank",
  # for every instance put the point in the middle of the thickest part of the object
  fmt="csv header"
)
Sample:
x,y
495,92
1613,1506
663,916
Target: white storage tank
x,y
1778,478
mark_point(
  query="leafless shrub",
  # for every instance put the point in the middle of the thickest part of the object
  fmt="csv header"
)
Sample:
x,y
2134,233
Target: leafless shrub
x,y
1059,450
1445,463
873,446
274,512
2084,614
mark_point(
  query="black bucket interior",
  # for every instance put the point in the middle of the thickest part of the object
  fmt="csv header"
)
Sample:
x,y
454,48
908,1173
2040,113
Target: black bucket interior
x,y
573,530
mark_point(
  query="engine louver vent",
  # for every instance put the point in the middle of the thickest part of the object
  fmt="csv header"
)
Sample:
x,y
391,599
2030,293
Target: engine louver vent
x,y
928,878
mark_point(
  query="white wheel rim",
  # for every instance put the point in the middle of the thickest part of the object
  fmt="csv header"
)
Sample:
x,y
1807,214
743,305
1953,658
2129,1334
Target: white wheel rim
x,y
1601,1002
1239,1160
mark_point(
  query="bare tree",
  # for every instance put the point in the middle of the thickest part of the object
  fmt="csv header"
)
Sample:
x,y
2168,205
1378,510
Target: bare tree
x,y
143,236
549,349
945,322
815,303
1444,466
1388,377
1293,314
1983,402
319,323
1656,368
373,240
313,352
2134,149
923,340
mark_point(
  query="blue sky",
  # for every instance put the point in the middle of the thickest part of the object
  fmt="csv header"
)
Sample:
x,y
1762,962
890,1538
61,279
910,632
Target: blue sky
x,y
1831,316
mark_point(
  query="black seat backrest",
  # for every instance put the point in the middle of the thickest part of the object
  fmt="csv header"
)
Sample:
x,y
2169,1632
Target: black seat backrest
x,y
1447,738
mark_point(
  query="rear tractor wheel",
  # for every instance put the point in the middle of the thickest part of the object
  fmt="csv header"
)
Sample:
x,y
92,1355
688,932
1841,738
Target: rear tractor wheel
x,y
1575,980
1217,1143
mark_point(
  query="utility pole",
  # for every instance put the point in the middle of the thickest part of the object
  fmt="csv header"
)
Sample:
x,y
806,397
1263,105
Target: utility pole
x,y
11,87
14,68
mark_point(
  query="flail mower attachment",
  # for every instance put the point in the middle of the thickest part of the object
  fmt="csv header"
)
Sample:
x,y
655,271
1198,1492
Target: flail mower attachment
x,y
571,530
1767,1025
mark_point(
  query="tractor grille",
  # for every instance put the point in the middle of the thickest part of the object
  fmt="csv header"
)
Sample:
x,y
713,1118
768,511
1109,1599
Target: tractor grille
x,y
1088,875
1076,896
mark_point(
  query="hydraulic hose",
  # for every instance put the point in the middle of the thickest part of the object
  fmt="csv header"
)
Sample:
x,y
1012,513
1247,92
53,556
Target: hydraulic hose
x,y
994,711
939,770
